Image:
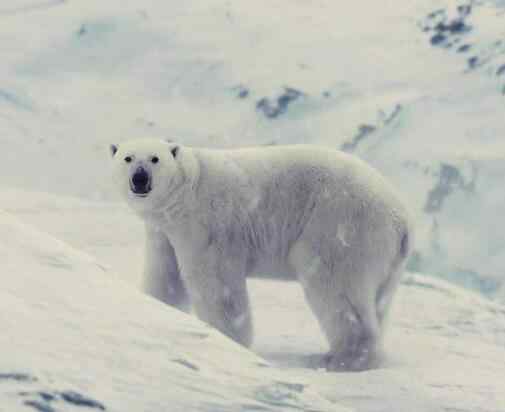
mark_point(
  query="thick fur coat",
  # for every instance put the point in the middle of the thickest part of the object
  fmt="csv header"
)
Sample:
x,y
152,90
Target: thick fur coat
x,y
301,212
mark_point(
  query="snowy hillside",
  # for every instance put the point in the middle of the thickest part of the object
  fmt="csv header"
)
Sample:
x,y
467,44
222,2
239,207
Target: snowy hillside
x,y
415,87
71,327
73,339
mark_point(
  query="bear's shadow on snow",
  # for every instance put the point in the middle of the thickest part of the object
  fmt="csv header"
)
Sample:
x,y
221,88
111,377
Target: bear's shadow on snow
x,y
294,360
315,361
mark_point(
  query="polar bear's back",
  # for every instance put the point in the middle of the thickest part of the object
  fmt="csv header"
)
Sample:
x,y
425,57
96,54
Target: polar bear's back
x,y
323,192
310,167
346,210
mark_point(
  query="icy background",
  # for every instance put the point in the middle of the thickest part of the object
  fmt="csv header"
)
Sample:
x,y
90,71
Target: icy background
x,y
415,87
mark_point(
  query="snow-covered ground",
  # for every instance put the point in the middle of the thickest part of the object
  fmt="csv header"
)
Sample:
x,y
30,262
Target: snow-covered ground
x,y
70,324
416,87
74,338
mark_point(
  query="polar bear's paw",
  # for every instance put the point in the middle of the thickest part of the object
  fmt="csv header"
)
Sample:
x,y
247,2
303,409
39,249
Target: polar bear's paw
x,y
356,359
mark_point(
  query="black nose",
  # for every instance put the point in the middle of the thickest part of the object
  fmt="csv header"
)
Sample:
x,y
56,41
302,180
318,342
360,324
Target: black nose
x,y
140,181
140,178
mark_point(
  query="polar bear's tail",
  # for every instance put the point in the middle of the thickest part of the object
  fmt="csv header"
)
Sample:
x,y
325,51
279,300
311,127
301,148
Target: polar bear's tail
x,y
387,289
404,246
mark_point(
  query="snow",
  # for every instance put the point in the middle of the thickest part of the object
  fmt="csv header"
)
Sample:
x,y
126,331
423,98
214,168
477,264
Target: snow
x,y
77,76
445,346
68,327
363,76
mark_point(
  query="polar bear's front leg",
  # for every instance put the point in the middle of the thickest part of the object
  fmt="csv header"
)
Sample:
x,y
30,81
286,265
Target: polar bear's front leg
x,y
217,287
161,278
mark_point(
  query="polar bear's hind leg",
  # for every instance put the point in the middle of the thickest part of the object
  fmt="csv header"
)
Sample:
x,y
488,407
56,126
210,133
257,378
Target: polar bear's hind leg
x,y
346,311
388,288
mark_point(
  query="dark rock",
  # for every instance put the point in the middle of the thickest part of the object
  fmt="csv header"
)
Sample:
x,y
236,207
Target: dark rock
x,y
187,364
39,406
465,10
473,62
394,114
436,13
48,397
289,95
464,48
447,32
243,94
363,131
273,109
80,400
242,91
449,179
438,39
500,70
18,377
457,26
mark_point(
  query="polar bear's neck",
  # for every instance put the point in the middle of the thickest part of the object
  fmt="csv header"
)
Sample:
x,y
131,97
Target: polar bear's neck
x,y
180,190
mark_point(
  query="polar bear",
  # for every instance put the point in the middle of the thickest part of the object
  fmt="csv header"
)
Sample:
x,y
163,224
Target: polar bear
x,y
322,217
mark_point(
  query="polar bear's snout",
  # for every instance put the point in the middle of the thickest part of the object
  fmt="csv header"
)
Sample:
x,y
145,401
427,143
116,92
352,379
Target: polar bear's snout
x,y
140,183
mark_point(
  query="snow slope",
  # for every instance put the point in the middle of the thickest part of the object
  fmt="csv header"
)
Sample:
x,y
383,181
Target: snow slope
x,y
414,87
445,346
74,339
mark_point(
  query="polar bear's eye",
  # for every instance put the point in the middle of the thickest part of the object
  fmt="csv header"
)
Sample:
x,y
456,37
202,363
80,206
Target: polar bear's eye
x,y
155,159
128,159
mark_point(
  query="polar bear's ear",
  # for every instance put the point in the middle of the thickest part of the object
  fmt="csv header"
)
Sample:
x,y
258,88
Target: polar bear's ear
x,y
175,151
113,149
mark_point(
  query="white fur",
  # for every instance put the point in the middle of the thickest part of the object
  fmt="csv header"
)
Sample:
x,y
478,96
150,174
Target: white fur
x,y
299,212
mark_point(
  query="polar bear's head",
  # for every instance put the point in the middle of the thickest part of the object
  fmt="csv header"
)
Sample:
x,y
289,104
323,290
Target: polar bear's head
x,y
146,171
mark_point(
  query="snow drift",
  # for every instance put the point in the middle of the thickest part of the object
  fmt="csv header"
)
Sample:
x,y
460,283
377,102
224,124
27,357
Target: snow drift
x,y
74,325
72,337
